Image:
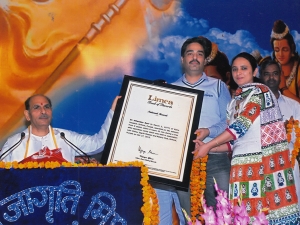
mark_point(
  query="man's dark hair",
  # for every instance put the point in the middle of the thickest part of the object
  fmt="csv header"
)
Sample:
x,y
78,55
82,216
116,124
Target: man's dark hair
x,y
27,102
222,65
204,42
267,63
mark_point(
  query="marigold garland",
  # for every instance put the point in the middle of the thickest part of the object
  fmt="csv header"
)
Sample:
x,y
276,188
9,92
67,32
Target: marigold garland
x,y
197,187
150,208
293,125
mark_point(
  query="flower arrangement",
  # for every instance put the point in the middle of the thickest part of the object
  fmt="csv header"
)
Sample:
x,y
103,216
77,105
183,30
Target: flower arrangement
x,y
150,207
197,187
293,125
226,213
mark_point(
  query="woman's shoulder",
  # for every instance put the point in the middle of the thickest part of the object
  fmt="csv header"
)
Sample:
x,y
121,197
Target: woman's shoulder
x,y
261,88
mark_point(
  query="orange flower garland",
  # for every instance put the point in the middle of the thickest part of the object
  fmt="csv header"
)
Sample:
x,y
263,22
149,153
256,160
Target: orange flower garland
x,y
197,187
150,207
293,125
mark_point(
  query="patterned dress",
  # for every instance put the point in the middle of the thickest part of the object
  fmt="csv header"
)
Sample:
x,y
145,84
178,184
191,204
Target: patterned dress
x,y
261,172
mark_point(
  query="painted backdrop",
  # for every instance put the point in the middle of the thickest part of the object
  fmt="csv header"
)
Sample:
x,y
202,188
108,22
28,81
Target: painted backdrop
x,y
78,51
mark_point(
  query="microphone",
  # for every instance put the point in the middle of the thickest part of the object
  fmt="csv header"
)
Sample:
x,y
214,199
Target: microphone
x,y
12,147
62,135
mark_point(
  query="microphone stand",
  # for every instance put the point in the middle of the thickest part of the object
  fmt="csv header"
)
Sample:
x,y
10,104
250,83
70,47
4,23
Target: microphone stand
x,y
62,135
12,147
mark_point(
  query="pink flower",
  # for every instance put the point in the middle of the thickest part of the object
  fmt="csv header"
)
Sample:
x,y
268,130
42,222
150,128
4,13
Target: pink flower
x,y
220,220
226,213
222,200
237,210
227,219
204,206
196,223
260,219
209,216
240,210
241,220
216,185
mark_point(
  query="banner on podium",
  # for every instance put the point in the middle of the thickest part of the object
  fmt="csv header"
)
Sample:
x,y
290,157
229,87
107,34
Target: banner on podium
x,y
75,196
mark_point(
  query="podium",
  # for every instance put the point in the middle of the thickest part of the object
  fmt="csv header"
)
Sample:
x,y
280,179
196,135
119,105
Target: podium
x,y
71,195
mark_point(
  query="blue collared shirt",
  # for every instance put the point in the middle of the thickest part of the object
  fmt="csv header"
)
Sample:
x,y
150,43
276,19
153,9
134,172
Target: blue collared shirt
x,y
215,100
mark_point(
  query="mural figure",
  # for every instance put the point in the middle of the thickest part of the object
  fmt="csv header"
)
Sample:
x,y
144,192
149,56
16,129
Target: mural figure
x,y
284,51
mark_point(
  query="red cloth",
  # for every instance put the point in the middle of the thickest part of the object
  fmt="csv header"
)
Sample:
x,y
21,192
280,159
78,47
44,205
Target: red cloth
x,y
45,155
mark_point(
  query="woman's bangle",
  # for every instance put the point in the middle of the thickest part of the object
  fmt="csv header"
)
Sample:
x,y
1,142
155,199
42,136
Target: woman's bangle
x,y
283,89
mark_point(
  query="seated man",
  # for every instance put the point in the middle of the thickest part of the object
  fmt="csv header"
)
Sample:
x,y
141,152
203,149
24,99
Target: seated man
x,y
40,135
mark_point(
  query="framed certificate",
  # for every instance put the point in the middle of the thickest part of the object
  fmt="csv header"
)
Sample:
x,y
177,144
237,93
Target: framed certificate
x,y
155,123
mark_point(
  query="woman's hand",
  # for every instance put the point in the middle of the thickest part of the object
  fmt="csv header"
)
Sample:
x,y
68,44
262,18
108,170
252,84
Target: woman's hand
x,y
201,149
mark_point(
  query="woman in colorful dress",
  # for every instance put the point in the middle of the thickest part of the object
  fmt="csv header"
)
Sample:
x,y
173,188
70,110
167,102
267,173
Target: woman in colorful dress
x,y
260,162
284,52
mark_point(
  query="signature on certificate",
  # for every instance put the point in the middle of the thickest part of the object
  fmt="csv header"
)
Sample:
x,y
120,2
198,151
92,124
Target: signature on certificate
x,y
141,151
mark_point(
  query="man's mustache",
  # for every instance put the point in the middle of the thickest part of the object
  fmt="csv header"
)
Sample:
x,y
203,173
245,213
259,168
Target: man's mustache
x,y
194,60
271,80
44,116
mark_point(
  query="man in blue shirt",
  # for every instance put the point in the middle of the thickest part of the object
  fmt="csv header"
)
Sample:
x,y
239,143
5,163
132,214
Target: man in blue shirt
x,y
212,123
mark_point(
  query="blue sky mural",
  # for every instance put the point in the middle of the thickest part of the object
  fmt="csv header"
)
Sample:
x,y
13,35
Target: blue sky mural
x,y
235,26
146,44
